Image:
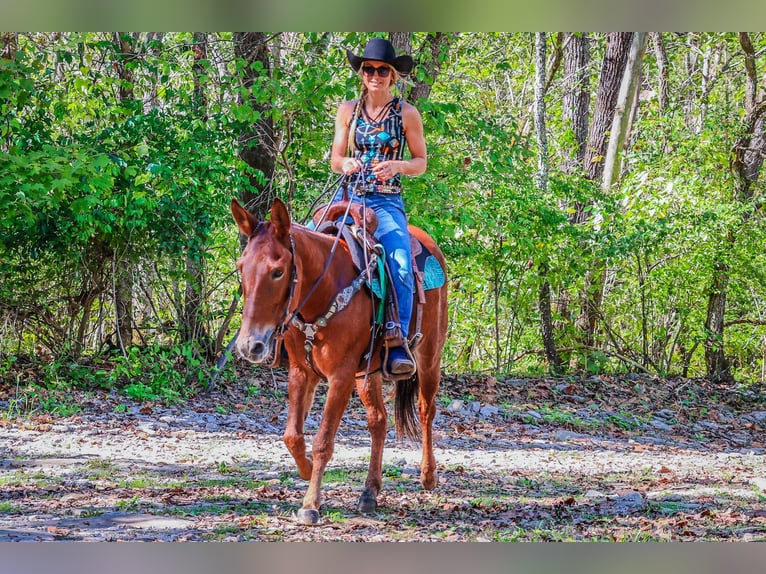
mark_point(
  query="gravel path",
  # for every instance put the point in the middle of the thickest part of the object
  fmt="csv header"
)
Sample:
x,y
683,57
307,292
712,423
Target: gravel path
x,y
120,471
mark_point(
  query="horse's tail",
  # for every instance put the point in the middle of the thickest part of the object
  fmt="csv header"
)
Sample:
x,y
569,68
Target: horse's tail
x,y
405,409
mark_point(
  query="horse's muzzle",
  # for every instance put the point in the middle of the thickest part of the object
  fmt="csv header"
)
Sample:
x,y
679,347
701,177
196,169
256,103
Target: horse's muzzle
x,y
257,347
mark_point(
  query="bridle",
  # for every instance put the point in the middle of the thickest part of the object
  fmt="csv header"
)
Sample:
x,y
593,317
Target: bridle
x,y
284,322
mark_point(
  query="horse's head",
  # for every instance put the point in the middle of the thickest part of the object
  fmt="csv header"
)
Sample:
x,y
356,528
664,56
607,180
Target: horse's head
x,y
265,269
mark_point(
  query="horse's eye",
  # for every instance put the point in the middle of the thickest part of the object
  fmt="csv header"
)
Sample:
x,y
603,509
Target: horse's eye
x,y
277,274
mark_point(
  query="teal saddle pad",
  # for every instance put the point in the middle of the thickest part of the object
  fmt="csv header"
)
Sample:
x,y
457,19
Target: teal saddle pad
x,y
433,273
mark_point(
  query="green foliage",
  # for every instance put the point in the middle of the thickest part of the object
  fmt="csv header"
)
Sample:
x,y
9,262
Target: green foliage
x,y
170,374
115,162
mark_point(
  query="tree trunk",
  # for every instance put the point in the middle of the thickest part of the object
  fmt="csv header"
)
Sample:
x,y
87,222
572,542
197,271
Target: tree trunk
x,y
9,44
544,296
192,327
123,269
576,98
542,139
622,111
257,147
610,79
617,49
429,58
153,45
747,162
576,108
715,358
402,42
663,69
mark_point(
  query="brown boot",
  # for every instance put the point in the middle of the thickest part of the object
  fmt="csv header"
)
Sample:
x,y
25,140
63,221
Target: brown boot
x,y
399,362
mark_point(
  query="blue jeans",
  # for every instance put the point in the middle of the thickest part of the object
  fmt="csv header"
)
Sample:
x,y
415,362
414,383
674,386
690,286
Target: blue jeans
x,y
393,235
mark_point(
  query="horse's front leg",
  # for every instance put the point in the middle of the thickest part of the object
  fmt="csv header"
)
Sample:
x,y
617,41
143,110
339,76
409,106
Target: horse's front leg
x,y
301,389
371,392
322,449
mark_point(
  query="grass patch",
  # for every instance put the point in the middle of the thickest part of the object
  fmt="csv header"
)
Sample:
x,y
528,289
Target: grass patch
x,y
30,401
261,509
138,482
336,475
128,504
7,507
242,481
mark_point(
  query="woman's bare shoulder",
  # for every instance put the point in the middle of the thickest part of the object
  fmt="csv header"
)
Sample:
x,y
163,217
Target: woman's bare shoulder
x,y
409,110
346,109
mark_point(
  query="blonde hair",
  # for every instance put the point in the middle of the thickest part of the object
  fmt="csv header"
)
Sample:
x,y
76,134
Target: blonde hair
x,y
395,78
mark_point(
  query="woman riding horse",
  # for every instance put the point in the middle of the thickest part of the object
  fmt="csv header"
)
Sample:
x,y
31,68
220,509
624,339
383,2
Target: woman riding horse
x,y
371,134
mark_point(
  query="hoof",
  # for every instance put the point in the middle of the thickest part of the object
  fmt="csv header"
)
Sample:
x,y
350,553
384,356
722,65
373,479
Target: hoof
x,y
308,516
367,503
430,484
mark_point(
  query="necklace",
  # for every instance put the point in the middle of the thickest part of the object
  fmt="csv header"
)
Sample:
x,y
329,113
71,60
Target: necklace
x,y
382,113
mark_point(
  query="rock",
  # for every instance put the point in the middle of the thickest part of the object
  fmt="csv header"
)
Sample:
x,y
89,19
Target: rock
x,y
488,411
595,496
515,383
456,405
667,414
565,435
702,426
628,502
474,407
739,439
758,417
533,414
652,440
311,422
660,426
759,482
574,399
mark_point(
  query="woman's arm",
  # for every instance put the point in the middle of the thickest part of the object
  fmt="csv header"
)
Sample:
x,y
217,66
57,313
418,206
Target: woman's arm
x,y
339,162
413,131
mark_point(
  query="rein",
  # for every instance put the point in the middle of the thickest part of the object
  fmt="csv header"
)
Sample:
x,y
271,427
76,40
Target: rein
x,y
339,302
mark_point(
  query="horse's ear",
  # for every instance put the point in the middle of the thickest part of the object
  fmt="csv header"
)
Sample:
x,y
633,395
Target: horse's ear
x,y
246,221
280,218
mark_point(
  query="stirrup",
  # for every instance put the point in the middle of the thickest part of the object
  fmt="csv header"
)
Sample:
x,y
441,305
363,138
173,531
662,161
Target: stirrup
x,y
398,376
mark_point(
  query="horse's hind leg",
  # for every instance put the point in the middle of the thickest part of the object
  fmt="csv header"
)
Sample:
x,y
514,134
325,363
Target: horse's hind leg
x,y
371,393
428,379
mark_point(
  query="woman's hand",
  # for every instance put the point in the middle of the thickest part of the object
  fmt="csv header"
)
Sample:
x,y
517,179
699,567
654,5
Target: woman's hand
x,y
351,165
385,170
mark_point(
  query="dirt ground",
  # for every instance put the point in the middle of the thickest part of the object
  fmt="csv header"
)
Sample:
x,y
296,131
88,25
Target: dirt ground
x,y
626,458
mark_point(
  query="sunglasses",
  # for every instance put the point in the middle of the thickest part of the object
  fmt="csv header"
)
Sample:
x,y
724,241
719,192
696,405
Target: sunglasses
x,y
383,71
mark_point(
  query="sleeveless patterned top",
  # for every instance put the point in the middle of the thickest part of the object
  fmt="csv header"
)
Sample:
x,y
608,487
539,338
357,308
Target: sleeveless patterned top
x,y
378,141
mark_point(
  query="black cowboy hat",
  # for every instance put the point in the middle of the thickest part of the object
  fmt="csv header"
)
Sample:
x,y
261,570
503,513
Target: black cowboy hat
x,y
381,50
